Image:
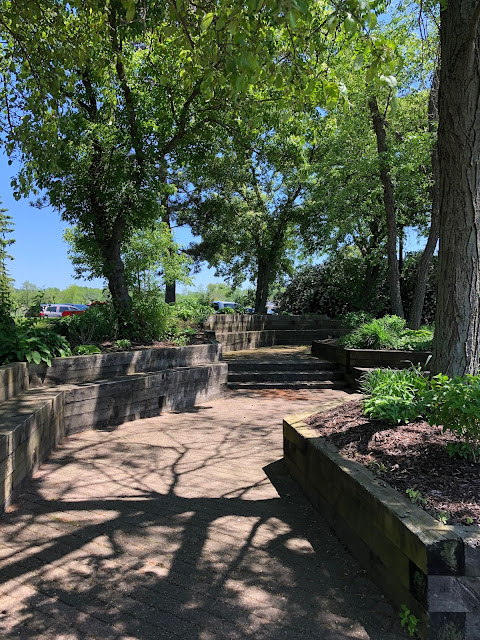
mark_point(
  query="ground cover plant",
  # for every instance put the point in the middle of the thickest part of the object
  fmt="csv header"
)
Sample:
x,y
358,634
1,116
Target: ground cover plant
x,y
23,341
421,435
389,332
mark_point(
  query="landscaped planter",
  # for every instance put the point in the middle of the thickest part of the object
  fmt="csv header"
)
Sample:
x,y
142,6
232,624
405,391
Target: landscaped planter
x,y
432,569
76,369
353,362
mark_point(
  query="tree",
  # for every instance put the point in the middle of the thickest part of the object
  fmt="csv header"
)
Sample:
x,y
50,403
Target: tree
x,y
456,345
250,191
6,299
96,122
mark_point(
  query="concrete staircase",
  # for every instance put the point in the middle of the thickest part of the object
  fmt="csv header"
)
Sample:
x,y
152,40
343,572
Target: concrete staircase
x,y
284,374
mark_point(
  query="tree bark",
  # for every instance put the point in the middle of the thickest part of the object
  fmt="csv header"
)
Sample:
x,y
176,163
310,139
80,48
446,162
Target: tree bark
x,y
115,271
170,291
418,300
263,281
456,346
170,285
389,203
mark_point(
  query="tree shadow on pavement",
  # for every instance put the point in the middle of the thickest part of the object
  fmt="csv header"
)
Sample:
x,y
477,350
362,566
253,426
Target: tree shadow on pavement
x,y
92,550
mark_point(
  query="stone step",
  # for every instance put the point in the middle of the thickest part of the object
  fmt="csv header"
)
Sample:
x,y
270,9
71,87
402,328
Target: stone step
x,y
305,384
280,365
282,376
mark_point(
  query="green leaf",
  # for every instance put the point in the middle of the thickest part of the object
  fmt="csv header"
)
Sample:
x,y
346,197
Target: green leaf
x,y
390,81
207,21
394,104
349,23
358,62
36,357
130,13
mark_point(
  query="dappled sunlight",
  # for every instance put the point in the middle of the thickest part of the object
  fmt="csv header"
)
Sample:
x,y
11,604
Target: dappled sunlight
x,y
171,527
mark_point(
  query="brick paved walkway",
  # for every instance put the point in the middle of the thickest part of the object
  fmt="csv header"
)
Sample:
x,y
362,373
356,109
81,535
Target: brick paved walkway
x,y
182,526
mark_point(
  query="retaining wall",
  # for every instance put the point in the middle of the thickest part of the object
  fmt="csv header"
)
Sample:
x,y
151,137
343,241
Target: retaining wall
x,y
368,357
432,569
13,380
107,365
237,332
35,420
222,323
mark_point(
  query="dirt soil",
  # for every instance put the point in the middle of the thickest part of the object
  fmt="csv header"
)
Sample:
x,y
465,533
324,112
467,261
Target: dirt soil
x,y
410,457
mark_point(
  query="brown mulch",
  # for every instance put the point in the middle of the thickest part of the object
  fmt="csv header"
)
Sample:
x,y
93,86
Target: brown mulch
x,y
411,456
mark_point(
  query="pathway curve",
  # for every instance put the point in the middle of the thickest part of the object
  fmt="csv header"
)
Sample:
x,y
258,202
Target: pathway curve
x,y
182,526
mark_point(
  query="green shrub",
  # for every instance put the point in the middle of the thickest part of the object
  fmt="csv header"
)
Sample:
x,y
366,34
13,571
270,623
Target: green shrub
x,y
228,311
388,333
394,396
96,324
454,404
417,340
123,343
151,318
179,336
334,288
86,350
193,311
354,319
22,341
380,333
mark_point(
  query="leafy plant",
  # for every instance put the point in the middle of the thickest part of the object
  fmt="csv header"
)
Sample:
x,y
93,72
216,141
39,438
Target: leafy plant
x,y
24,342
416,497
442,516
227,311
408,620
454,404
86,350
380,333
417,340
459,450
393,395
123,343
354,319
96,324
388,333
180,336
189,310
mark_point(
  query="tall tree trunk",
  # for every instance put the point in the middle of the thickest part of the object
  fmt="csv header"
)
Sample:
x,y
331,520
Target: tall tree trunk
x,y
456,346
110,244
170,285
418,300
389,203
117,284
170,291
263,281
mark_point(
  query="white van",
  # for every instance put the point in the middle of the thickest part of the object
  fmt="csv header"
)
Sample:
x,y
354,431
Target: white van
x,y
221,304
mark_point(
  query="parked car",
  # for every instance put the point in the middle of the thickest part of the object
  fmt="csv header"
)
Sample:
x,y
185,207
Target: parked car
x,y
81,307
59,310
35,310
218,305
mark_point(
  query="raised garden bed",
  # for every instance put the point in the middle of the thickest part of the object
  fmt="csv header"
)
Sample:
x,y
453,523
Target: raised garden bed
x,y
431,568
353,362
